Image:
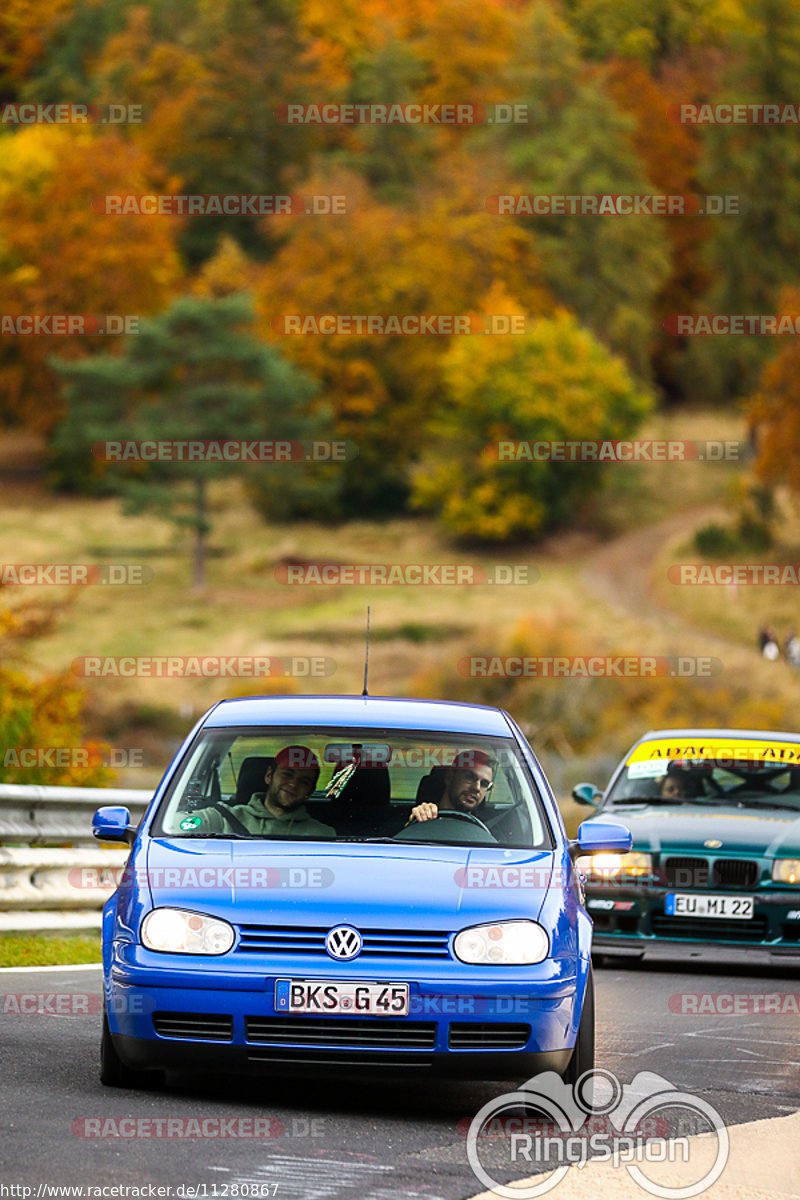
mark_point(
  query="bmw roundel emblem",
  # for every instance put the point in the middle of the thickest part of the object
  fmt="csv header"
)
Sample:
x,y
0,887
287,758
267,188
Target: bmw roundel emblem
x,y
343,942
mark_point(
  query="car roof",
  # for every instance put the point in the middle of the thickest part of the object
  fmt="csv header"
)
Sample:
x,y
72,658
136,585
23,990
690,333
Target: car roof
x,y
368,712
761,735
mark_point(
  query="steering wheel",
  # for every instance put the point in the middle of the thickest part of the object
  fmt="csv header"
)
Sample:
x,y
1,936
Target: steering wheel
x,y
462,816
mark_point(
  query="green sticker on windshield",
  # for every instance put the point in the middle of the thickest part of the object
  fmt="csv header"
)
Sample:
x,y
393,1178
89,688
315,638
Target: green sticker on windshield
x,y
191,822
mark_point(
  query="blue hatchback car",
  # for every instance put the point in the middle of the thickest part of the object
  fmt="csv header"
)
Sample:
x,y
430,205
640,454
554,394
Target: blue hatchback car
x,y
351,882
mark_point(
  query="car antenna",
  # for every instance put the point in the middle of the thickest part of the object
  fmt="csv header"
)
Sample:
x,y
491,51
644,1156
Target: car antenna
x,y
366,658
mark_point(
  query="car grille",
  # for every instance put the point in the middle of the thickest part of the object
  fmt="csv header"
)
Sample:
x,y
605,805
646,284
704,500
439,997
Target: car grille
x,y
686,872
332,1031
210,1027
485,1036
735,873
714,930
307,939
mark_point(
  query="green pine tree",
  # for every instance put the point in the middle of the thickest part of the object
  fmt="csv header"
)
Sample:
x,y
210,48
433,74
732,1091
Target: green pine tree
x,y
194,372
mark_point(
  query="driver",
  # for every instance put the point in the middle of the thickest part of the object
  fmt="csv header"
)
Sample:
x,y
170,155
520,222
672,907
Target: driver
x,y
467,782
277,812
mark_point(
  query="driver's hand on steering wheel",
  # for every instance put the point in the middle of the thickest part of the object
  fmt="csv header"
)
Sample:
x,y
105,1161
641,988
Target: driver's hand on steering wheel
x,y
423,812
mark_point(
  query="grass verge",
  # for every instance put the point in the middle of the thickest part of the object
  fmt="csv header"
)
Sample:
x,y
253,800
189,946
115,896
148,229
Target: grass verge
x,y
48,949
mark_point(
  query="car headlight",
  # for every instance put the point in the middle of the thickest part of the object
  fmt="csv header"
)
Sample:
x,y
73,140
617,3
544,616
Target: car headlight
x,y
177,932
633,865
786,870
512,943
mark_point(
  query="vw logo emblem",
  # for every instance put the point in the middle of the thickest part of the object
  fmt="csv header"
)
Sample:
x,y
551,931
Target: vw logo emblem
x,y
343,942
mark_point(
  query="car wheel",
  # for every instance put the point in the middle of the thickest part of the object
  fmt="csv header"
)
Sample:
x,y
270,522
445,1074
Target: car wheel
x,y
114,1072
583,1055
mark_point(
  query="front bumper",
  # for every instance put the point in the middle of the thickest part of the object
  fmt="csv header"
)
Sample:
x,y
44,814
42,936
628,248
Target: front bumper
x,y
205,1016
631,921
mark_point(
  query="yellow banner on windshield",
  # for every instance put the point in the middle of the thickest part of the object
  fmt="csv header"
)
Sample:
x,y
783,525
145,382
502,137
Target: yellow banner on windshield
x,y
720,751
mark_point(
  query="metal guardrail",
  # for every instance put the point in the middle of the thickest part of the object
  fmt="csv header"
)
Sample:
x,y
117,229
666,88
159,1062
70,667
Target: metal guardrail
x,y
53,874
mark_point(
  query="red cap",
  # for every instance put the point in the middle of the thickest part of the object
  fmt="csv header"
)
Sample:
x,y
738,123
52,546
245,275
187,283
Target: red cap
x,y
297,758
466,759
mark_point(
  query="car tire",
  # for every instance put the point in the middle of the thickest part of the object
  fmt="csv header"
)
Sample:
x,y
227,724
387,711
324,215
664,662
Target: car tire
x,y
114,1072
583,1055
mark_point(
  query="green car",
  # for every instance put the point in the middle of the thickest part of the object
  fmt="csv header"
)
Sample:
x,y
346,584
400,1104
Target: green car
x,y
714,868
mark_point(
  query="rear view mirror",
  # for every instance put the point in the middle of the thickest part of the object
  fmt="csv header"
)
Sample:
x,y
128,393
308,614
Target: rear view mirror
x,y
366,754
587,793
112,823
596,836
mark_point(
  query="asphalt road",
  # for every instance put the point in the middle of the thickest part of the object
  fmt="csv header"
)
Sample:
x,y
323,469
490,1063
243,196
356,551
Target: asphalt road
x,y
735,1042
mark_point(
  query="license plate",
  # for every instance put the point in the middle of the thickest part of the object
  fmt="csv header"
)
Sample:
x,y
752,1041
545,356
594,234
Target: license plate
x,y
680,904
330,997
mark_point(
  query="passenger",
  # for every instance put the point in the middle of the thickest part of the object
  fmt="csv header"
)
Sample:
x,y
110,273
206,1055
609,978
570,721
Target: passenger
x,y
277,812
672,788
468,781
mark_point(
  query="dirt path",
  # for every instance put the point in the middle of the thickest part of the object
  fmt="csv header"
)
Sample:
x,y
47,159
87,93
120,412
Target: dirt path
x,y
621,572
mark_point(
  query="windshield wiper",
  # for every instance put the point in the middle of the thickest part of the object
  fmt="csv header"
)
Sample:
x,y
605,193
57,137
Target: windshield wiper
x,y
382,840
647,800
236,837
763,802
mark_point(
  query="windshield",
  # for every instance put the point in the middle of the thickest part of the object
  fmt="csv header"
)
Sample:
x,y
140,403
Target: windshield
x,y
745,781
354,784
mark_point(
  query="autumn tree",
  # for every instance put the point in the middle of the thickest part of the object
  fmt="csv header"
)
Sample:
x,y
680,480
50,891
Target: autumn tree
x,y
555,382
607,269
441,256
774,411
43,711
753,255
60,254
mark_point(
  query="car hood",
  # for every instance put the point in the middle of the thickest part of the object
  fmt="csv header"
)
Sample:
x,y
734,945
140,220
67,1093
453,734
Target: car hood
x,y
392,886
770,832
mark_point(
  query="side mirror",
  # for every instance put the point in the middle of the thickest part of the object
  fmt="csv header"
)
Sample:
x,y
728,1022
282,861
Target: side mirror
x,y
597,836
587,793
112,823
